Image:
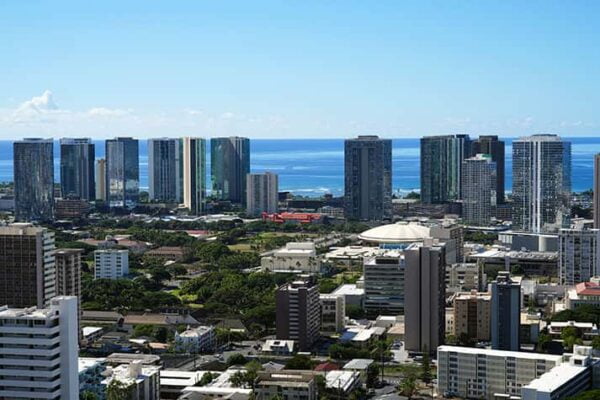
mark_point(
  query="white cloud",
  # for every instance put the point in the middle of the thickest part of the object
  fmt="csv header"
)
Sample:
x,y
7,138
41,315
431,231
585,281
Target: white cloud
x,y
39,109
108,112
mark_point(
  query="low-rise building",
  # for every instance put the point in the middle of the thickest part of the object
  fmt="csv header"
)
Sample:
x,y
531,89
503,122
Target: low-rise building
x,y
286,384
531,263
91,372
220,388
142,381
342,381
173,382
278,347
584,293
299,257
587,329
196,340
333,311
464,277
352,293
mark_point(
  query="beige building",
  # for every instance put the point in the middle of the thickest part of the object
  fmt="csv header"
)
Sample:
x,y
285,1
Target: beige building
x,y
101,179
286,384
472,316
333,311
262,193
298,257
68,274
27,267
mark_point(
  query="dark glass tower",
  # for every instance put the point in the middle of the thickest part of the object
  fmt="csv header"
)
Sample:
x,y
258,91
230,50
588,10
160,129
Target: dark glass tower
x,y
77,179
495,148
165,163
441,167
34,179
122,172
368,178
230,163
541,183
194,174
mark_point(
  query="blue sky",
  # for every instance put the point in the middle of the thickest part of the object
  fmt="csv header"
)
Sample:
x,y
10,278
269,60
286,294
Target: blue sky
x,y
282,69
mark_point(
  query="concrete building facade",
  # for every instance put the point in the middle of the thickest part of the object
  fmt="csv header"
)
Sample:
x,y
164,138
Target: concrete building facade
x,y
506,312
111,263
578,255
262,193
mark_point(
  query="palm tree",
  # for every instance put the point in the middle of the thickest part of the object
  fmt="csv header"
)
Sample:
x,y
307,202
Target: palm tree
x,y
408,387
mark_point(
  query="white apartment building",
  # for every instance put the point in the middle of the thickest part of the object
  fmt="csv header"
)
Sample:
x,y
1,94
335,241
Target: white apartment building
x,y
483,374
578,255
196,340
143,381
333,312
38,351
300,257
111,263
286,384
261,193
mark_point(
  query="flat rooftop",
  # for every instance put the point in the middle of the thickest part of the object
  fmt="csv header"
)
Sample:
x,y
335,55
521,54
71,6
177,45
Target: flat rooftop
x,y
556,377
500,353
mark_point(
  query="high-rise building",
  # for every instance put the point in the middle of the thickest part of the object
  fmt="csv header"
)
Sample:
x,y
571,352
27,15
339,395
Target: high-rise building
x,y
194,174
578,255
111,263
34,179
230,164
261,193
39,351
489,144
77,179
479,190
441,167
541,183
27,266
472,316
506,312
597,191
122,172
165,164
101,179
68,274
424,296
384,283
368,178
298,312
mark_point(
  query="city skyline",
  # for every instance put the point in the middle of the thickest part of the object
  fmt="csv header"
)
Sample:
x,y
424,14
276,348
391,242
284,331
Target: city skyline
x,y
271,69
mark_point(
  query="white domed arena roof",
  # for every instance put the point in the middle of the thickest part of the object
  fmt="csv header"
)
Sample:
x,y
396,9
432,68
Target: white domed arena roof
x,y
400,232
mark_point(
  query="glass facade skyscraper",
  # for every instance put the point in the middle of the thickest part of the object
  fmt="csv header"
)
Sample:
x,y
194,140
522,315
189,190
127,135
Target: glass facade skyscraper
x,y
34,179
441,167
541,183
368,178
165,165
479,189
194,174
489,144
229,163
77,178
122,172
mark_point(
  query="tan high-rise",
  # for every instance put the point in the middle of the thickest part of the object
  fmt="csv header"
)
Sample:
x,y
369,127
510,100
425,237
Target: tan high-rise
x,y
101,179
472,316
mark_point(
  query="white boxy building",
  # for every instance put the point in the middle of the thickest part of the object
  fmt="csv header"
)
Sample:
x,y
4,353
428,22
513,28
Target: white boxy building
x,y
299,257
38,351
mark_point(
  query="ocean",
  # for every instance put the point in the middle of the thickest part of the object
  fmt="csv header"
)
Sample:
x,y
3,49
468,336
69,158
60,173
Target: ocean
x,y
312,167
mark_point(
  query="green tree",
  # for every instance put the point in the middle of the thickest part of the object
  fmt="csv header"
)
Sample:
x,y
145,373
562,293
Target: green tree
x,y
87,395
207,378
408,386
571,336
372,376
236,359
143,330
596,342
426,366
544,340
161,334
299,361
238,379
118,390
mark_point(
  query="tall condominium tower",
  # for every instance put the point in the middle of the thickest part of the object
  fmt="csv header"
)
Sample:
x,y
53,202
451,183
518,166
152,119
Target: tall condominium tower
x,y
27,266
77,179
101,179
578,255
541,183
368,178
165,169
230,164
39,351
384,283
298,312
506,312
597,191
34,179
122,172
424,296
441,167
489,144
479,189
194,174
261,193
